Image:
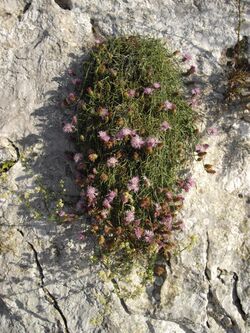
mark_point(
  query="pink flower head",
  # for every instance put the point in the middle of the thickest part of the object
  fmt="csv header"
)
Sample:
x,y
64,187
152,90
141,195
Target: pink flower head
x,y
152,142
76,81
137,142
71,97
212,131
167,219
131,93
201,148
78,157
156,85
148,91
187,184
169,106
103,112
129,216
111,196
103,135
124,132
91,193
61,213
81,236
138,232
69,128
133,184
169,195
104,213
74,120
149,236
157,211
106,204
186,57
165,126
196,91
112,162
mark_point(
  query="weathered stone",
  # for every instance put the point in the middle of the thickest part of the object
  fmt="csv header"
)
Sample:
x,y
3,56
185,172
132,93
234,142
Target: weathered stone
x,y
8,152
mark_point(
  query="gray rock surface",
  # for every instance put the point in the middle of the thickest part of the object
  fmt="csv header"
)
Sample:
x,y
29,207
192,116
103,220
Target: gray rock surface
x,y
48,283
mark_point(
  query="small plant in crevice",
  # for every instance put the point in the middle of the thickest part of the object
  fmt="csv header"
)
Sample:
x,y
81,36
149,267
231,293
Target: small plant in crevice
x,y
239,67
135,136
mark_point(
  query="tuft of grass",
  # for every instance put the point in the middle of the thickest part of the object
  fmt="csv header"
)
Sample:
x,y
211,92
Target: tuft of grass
x,y
116,74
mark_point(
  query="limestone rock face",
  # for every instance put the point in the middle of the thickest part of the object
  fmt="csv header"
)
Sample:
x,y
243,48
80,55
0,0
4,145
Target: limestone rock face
x,y
48,283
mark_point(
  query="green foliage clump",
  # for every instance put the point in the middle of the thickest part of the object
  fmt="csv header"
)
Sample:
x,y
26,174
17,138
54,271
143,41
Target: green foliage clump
x,y
135,136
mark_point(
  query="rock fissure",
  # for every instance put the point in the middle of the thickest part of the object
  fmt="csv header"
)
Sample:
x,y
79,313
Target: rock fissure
x,y
236,298
48,295
122,301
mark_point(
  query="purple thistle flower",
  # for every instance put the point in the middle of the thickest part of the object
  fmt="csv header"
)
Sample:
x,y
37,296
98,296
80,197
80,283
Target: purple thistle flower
x,y
133,184
137,142
138,232
149,236
165,126
74,120
103,135
69,128
112,162
212,131
169,106
78,157
71,97
196,91
129,216
156,85
148,91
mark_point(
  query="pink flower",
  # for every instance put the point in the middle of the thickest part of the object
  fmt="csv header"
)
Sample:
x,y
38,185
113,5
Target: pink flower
x,y
71,97
186,57
61,213
169,106
103,135
124,132
104,213
81,236
167,219
156,85
133,184
149,236
129,216
91,193
112,162
187,184
152,142
169,195
131,93
106,204
103,112
196,91
138,232
78,157
111,196
137,142
74,120
212,131
165,126
157,211
201,148
76,81
69,128
148,91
